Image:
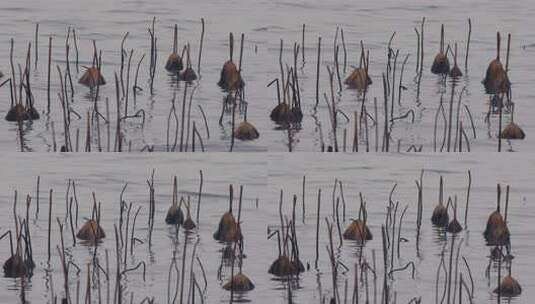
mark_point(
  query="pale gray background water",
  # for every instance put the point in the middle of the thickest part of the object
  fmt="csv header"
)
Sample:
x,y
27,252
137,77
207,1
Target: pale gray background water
x,y
264,24
375,177
263,179
91,176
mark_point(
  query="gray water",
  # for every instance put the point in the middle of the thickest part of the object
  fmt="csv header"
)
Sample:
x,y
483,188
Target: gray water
x,y
263,175
376,176
262,180
105,181
264,24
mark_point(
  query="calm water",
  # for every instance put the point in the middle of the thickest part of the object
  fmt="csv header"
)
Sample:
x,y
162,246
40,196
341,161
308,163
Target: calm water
x,y
264,24
105,181
373,176
376,176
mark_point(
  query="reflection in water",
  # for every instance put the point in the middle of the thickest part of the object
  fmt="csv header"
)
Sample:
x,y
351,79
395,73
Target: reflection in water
x,y
198,256
262,61
449,255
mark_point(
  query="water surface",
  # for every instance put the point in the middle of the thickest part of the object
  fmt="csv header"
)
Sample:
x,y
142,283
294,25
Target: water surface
x,y
265,23
262,180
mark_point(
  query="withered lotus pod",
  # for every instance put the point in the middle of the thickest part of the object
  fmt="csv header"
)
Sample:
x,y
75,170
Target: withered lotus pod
x,y
283,113
188,75
174,215
357,231
496,80
246,131
230,77
496,232
15,267
280,113
91,78
358,79
454,226
32,113
509,287
440,216
174,63
441,64
91,231
456,72
283,266
17,113
189,224
512,131
239,282
228,229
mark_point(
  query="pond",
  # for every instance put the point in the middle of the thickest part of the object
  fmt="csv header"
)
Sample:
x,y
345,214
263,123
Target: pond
x,y
264,24
373,177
